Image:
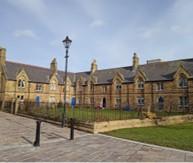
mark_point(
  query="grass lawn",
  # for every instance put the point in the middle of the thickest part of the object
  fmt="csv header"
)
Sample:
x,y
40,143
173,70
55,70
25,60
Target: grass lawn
x,y
176,136
88,114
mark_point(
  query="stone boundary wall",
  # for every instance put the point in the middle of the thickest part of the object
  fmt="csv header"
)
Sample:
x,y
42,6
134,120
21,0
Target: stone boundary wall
x,y
98,127
114,125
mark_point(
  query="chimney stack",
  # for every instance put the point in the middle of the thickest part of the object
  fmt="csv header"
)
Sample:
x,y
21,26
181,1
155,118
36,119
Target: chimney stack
x,y
2,56
135,61
53,66
93,66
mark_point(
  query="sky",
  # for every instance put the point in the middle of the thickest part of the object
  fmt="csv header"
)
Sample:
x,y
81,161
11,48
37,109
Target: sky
x,y
109,31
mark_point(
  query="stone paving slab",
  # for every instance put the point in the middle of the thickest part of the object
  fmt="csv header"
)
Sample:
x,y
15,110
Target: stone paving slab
x,y
85,147
17,130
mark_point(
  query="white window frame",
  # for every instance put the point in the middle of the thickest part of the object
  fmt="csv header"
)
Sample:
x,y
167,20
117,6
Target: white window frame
x,y
160,86
140,84
118,88
39,87
140,101
21,83
117,102
53,85
183,82
183,101
104,89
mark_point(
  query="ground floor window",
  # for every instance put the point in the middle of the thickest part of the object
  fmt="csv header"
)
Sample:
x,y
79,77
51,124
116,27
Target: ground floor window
x,y
140,100
183,101
117,102
20,97
52,99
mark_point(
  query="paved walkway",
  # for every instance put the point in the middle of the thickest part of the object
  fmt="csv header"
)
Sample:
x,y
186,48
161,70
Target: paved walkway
x,y
17,133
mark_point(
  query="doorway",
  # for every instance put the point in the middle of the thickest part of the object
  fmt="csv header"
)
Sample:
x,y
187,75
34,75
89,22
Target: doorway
x,y
104,102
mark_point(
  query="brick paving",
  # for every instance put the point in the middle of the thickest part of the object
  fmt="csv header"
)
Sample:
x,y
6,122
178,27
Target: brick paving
x,y
17,133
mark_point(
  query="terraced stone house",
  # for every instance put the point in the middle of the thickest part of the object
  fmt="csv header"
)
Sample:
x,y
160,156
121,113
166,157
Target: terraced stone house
x,y
156,84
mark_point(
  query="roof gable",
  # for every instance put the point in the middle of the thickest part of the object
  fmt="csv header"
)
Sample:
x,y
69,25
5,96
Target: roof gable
x,y
151,72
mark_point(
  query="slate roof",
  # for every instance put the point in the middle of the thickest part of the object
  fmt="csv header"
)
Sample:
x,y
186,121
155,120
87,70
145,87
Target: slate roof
x,y
157,71
154,72
35,73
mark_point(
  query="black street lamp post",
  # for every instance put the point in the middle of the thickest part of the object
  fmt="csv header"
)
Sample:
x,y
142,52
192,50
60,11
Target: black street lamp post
x,y
66,43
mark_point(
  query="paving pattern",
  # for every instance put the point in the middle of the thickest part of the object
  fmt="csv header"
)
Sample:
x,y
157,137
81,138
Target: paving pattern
x,y
17,133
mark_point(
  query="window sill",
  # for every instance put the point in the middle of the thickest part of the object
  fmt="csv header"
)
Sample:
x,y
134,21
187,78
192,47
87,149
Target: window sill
x,y
183,106
38,90
21,87
140,104
183,87
160,90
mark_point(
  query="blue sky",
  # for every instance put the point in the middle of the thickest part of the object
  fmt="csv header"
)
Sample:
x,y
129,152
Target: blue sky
x,y
106,30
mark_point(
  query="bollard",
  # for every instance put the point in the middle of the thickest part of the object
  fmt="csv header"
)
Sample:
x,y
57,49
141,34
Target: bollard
x,y
71,128
37,140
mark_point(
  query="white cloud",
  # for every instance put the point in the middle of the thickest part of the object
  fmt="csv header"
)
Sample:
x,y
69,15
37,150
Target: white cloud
x,y
92,8
34,7
97,23
25,33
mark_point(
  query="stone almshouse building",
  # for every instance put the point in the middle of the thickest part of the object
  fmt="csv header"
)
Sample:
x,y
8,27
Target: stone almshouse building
x,y
157,83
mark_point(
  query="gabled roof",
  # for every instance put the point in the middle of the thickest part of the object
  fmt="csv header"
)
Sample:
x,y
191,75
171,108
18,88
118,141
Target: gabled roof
x,y
35,73
154,72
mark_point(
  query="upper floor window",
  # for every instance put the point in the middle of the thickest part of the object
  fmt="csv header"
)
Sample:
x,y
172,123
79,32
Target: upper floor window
x,y
160,86
104,89
53,85
117,102
91,86
183,101
21,83
140,84
140,100
39,87
183,82
118,88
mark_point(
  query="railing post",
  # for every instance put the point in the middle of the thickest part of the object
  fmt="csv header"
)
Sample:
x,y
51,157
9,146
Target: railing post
x,y
37,139
72,128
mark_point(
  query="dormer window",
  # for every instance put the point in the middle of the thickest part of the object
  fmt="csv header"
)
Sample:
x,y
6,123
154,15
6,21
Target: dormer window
x,y
53,85
21,83
183,82
118,88
91,86
140,84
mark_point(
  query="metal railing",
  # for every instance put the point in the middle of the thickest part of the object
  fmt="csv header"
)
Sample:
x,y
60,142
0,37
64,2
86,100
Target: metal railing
x,y
86,113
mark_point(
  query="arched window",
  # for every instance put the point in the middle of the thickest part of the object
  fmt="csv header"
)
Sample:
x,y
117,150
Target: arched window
x,y
53,85
140,83
91,86
183,82
118,86
21,83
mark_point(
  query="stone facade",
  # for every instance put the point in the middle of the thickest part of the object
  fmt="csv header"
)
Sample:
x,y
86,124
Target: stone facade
x,y
164,85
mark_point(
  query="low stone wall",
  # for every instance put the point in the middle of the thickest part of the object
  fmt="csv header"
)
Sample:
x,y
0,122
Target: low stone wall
x,y
132,123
